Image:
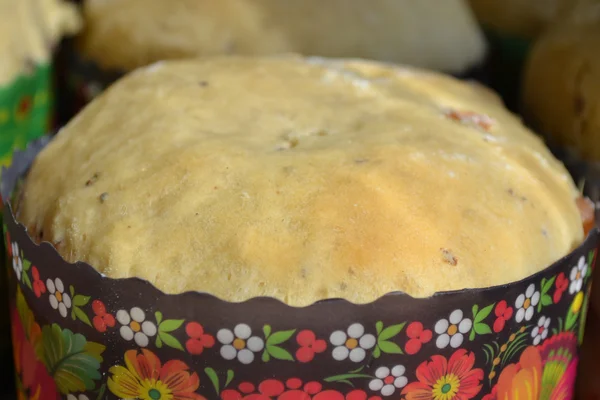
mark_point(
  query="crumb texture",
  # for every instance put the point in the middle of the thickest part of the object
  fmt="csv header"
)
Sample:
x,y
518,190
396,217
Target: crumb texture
x,y
301,179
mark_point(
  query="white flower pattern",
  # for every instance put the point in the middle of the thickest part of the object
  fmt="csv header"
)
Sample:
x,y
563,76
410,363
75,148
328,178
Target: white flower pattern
x,y
352,344
525,304
17,262
387,381
540,332
80,397
577,276
451,331
134,326
239,344
59,300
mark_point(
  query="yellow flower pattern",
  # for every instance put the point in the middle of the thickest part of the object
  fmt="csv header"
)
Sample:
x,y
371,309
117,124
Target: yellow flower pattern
x,y
145,377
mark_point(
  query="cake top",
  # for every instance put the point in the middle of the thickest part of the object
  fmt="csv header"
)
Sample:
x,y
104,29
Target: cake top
x,y
124,34
29,29
301,179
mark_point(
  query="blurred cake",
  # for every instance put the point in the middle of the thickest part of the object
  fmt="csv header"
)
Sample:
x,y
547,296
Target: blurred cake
x,y
29,30
561,86
125,34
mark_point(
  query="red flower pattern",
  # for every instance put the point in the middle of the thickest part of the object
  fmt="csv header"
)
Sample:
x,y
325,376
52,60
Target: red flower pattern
x,y
198,340
309,346
453,379
24,107
417,337
503,313
103,320
493,395
39,287
293,389
34,380
562,284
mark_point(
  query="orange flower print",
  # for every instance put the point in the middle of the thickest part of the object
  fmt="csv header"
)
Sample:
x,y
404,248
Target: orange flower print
x,y
543,372
441,379
522,380
145,378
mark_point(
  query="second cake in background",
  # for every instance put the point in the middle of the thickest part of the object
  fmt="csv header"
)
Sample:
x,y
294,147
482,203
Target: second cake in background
x,y
125,34
121,35
561,86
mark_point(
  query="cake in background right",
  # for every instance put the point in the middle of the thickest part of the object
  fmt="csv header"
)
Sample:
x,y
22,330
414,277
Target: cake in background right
x,y
561,83
560,98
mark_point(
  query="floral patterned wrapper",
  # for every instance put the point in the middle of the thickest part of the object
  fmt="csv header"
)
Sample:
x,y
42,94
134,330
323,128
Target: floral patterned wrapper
x,y
80,335
25,105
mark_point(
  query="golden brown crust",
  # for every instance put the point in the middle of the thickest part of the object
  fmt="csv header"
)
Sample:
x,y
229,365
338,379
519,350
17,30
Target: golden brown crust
x,y
428,33
302,180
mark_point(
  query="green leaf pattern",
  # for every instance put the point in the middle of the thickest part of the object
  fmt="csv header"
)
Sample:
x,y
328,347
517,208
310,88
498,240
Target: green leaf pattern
x,y
79,301
479,327
273,342
545,298
165,327
214,379
70,359
25,273
385,336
